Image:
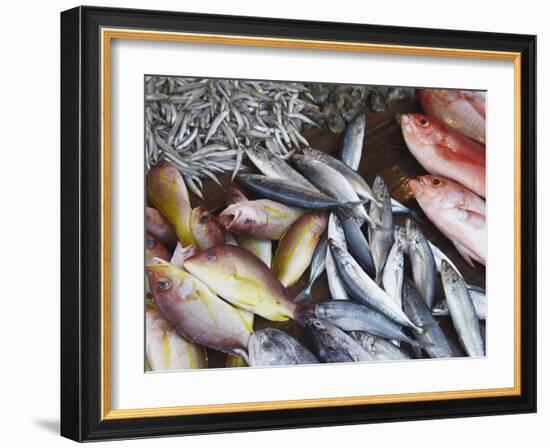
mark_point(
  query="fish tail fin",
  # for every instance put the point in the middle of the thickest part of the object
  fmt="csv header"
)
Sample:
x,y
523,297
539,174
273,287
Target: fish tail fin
x,y
304,294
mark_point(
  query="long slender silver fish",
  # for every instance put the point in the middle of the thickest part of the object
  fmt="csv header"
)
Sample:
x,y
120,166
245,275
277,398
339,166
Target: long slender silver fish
x,y
462,311
351,316
364,289
272,347
352,143
357,244
359,184
333,345
316,268
331,182
378,348
381,237
422,262
292,194
335,285
275,167
433,339
392,277
479,299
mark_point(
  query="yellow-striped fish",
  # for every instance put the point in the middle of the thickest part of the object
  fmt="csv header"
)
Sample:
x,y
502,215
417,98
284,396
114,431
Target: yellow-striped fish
x,y
296,248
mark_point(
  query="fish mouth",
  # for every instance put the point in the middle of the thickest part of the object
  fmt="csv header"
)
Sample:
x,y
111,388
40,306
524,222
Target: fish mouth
x,y
229,219
416,185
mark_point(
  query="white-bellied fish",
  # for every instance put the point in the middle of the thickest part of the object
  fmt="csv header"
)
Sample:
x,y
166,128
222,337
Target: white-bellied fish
x,y
357,244
422,262
331,344
462,311
207,231
433,339
381,237
392,277
317,267
272,347
352,143
335,285
378,348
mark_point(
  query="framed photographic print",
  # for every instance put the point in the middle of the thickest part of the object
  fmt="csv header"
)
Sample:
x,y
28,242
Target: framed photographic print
x,y
277,224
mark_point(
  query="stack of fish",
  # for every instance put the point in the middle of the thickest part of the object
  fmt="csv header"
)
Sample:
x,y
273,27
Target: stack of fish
x,y
212,278
449,142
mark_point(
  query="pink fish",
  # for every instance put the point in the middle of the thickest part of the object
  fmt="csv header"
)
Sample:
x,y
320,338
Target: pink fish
x,y
443,152
461,110
457,212
207,231
155,249
262,218
158,226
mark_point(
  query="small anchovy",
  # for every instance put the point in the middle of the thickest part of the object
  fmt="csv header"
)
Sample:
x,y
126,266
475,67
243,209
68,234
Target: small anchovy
x,y
381,237
351,316
290,193
352,143
331,182
364,289
335,285
433,339
462,311
274,167
359,184
392,277
422,262
272,347
317,267
479,299
378,348
333,345
357,244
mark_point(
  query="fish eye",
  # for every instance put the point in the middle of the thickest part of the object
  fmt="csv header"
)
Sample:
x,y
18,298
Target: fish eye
x,y
267,345
317,324
163,284
150,243
248,221
204,219
436,181
210,255
423,122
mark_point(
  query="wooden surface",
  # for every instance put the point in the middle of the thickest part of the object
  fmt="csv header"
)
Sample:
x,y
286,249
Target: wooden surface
x,y
384,153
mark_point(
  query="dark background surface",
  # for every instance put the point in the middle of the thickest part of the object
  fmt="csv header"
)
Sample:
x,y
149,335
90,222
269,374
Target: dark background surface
x,y
386,154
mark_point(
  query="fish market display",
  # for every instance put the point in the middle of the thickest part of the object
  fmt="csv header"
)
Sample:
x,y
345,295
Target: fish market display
x,y
461,110
443,152
292,223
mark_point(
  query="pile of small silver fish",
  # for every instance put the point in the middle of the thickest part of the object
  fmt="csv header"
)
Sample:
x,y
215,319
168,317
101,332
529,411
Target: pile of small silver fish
x,y
202,126
301,215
